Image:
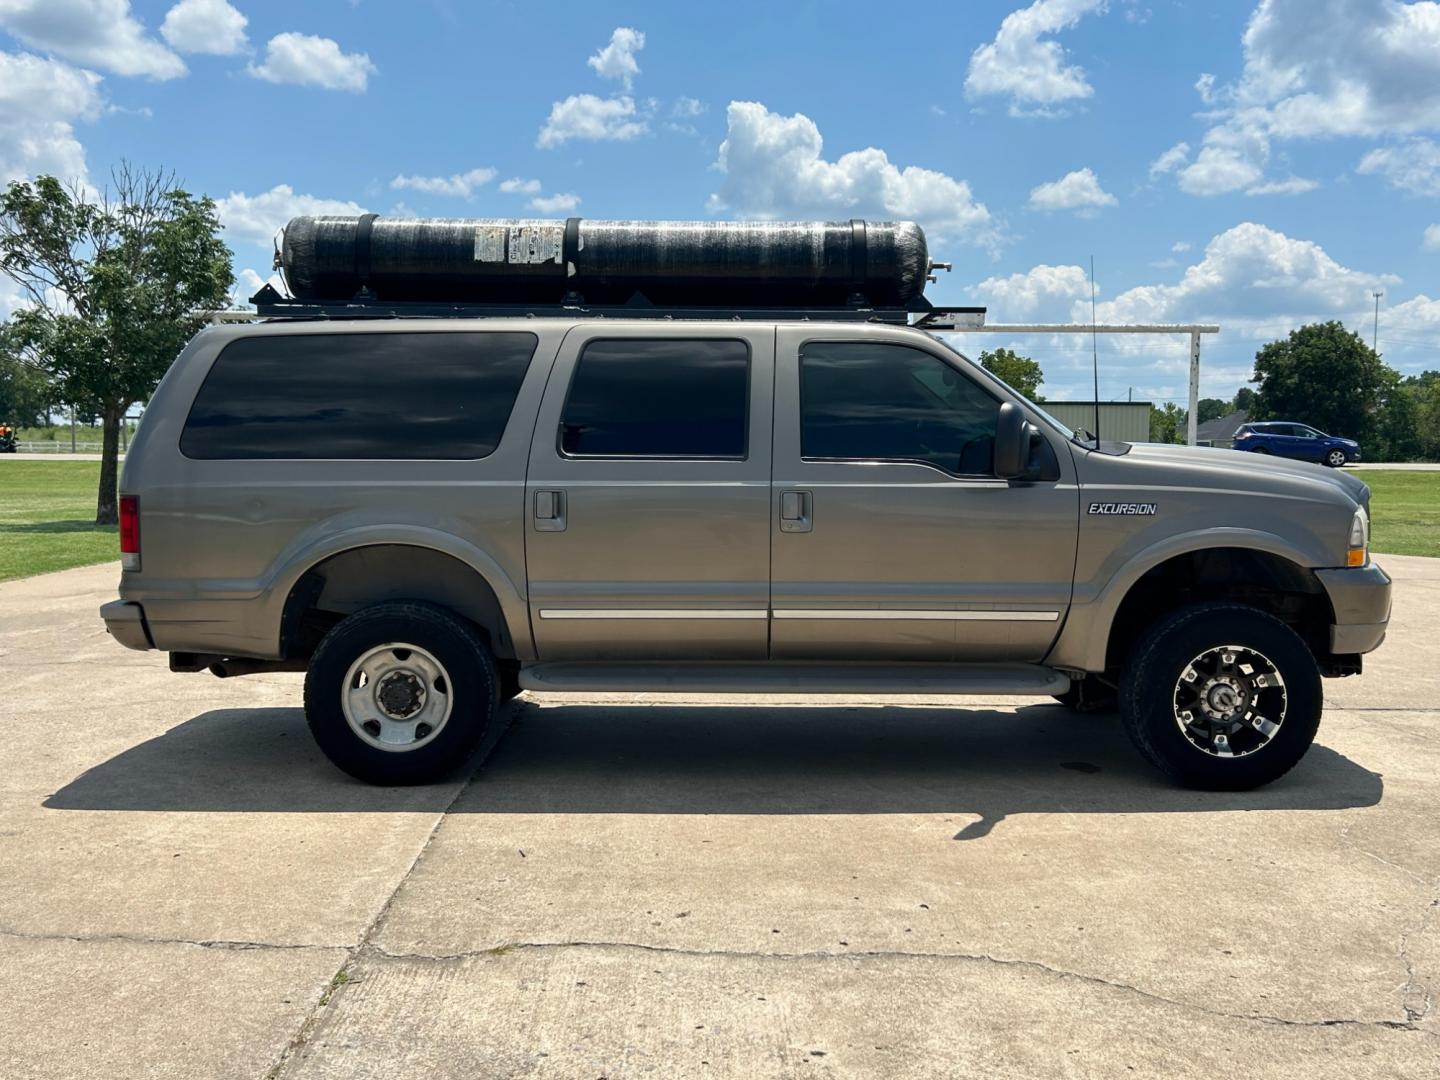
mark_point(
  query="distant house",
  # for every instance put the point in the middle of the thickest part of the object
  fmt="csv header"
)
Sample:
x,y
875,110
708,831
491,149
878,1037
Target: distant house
x,y
1221,432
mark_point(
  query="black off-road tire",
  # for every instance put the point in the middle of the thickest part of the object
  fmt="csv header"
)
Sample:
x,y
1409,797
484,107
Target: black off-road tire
x,y
1162,654
509,685
473,685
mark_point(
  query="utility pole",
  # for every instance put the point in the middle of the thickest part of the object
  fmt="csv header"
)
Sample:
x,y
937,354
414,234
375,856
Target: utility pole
x,y
1375,337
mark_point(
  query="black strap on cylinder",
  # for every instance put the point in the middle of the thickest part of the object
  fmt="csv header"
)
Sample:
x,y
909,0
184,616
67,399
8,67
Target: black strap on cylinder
x,y
570,250
362,250
859,256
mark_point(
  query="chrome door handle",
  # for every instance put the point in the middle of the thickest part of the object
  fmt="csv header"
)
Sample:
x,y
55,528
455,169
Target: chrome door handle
x,y
795,511
550,511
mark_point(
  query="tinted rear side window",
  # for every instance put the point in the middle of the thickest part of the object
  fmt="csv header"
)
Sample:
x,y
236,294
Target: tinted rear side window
x,y
658,398
371,395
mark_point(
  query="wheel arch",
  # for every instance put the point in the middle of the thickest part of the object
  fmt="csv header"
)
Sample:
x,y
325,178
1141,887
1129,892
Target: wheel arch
x,y
1248,566
332,584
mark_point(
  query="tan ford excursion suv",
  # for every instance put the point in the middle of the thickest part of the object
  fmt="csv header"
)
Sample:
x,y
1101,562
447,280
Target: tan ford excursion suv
x,y
428,516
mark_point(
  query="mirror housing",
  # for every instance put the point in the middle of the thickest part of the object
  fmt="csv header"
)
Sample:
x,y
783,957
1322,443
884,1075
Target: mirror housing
x,y
1012,442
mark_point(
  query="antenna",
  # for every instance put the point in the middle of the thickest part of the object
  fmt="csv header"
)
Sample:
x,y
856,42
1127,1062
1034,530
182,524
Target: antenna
x,y
1094,352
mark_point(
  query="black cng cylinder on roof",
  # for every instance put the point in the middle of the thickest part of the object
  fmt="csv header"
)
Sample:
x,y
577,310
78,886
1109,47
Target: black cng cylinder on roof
x,y
670,263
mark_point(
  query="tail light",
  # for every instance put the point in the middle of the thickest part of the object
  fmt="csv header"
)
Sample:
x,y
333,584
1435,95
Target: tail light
x,y
130,532
1241,435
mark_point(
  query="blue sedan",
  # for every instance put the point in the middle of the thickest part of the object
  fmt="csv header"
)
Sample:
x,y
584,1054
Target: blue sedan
x,y
1300,441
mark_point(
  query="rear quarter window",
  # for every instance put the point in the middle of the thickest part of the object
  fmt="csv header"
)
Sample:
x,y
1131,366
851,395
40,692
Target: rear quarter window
x,y
367,395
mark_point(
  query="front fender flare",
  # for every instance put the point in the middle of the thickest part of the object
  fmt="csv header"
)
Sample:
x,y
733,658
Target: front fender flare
x,y
1082,643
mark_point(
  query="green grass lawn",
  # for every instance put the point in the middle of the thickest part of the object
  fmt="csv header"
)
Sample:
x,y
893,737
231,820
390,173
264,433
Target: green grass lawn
x,y
47,518
1406,511
47,514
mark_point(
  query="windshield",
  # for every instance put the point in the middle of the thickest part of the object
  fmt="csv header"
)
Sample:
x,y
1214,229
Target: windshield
x,y
1056,424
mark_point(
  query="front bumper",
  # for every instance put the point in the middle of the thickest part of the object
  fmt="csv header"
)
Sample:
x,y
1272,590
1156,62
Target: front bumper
x,y
125,619
1360,598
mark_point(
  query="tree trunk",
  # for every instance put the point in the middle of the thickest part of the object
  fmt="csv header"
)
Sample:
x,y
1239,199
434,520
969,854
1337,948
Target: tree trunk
x,y
107,504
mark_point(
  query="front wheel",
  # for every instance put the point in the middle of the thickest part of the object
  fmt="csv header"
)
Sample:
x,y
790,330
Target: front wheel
x,y
1222,697
1335,458
400,693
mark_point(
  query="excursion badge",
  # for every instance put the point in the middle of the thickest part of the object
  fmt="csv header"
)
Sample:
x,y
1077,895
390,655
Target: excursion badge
x,y
1125,509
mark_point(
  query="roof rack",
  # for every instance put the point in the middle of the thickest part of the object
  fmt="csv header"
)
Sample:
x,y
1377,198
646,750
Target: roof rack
x,y
270,304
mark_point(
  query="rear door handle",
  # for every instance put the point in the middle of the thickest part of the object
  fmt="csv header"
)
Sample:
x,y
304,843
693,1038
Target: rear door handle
x,y
550,511
795,511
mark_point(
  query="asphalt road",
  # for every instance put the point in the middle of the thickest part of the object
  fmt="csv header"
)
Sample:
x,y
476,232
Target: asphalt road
x,y
706,887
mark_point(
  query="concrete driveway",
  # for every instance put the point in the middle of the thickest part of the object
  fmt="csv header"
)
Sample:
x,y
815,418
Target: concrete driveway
x,y
701,887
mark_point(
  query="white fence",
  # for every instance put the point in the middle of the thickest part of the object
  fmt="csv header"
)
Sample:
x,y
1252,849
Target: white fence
x,y
53,446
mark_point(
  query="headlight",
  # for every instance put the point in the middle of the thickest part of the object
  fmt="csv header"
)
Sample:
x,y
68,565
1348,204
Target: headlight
x,y
1359,539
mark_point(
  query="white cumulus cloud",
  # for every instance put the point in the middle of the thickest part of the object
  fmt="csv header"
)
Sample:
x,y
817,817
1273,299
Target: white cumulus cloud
x,y
100,34
1251,276
1432,238
585,116
1170,160
460,185
1319,69
555,204
256,218
1412,166
1291,185
1078,190
213,27
1043,291
40,102
1031,72
617,59
773,168
518,186
307,60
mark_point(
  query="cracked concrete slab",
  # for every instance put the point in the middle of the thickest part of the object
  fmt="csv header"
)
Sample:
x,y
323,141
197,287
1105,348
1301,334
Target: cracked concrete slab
x,y
108,1009
690,827
907,887
614,1011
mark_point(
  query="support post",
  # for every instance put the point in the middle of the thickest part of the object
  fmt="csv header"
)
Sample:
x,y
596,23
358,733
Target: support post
x,y
1192,421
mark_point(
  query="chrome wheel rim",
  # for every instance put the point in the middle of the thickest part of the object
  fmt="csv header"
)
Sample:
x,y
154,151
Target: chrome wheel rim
x,y
397,697
1337,458
1230,701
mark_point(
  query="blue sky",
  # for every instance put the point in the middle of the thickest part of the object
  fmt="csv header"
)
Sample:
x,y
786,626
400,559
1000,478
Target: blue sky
x,y
1257,165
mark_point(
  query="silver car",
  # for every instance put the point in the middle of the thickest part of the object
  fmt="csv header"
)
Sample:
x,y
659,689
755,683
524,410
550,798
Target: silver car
x,y
428,516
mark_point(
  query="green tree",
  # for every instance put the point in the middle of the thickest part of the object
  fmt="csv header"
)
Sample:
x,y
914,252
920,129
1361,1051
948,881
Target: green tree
x,y
1325,376
1168,423
1244,399
1020,372
116,283
1211,409
1423,392
26,395
1397,427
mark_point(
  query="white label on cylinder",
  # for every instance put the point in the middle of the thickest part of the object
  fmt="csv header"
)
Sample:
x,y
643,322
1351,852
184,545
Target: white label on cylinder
x,y
490,243
537,243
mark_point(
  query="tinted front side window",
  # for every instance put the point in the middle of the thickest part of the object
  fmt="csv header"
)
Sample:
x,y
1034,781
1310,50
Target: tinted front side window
x,y
658,399
371,395
873,402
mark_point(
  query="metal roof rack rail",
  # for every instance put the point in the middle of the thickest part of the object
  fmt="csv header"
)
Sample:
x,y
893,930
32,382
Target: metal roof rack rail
x,y
270,304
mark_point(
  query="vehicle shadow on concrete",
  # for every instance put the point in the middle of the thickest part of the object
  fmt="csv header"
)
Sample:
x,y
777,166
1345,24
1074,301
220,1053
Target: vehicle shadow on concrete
x,y
709,759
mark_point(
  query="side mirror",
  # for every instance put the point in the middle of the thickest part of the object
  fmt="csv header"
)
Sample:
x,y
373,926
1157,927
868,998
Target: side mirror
x,y
1012,442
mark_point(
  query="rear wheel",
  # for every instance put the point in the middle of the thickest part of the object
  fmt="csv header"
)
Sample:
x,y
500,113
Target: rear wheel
x,y
1222,697
400,693
1335,458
